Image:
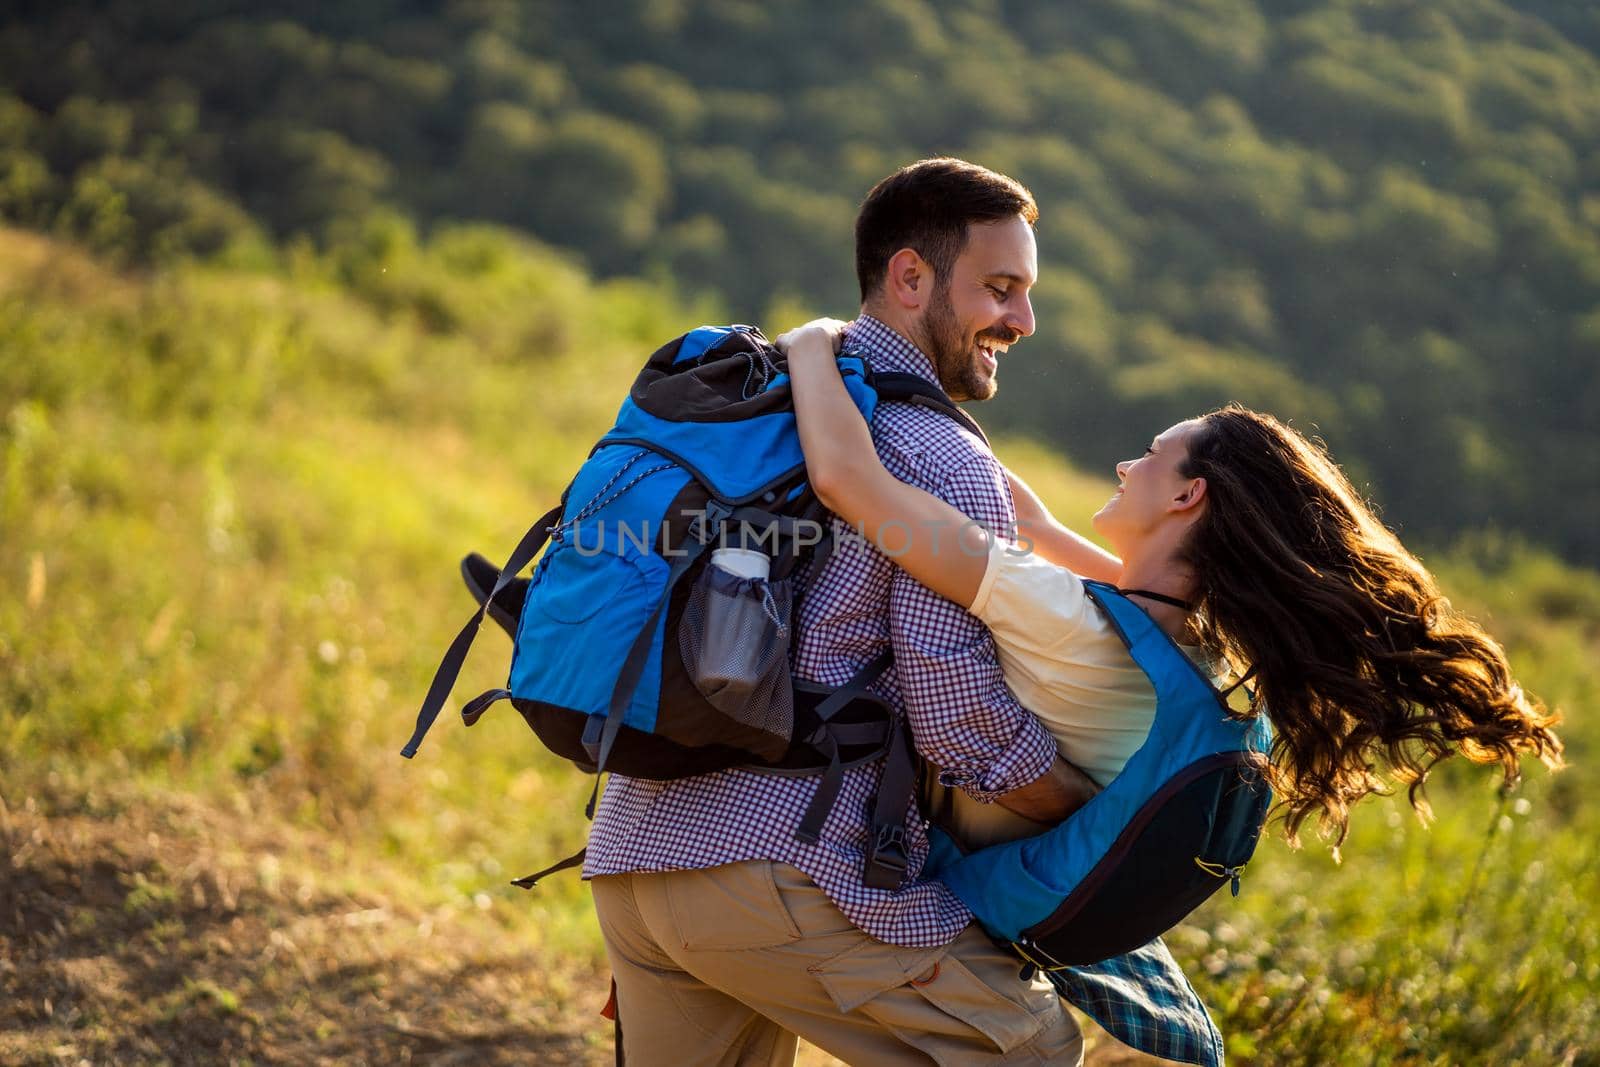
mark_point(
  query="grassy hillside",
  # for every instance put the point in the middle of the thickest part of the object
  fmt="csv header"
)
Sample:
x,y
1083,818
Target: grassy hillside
x,y
232,504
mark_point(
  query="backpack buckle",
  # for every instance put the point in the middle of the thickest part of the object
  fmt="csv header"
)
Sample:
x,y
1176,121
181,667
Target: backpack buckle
x,y
697,528
707,522
886,859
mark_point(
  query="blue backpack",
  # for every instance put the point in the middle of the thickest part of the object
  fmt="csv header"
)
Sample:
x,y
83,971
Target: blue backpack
x,y
1178,822
622,632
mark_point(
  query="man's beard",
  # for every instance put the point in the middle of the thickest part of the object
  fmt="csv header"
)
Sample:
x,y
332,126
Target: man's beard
x,y
952,351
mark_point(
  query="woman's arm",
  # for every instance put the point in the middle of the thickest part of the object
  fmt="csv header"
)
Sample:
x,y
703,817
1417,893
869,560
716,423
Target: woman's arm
x,y
1038,531
926,537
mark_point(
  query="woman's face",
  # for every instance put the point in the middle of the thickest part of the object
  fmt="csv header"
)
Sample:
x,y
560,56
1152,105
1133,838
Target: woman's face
x,y
1152,492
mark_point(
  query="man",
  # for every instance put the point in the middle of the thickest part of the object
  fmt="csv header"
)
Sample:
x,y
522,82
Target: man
x,y
727,936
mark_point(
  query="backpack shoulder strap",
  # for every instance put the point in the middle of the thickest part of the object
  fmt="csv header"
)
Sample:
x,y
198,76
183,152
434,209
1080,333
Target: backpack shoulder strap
x,y
901,388
444,678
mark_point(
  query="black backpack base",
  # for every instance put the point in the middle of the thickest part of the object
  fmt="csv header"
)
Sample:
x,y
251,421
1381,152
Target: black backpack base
x,y
1213,812
655,758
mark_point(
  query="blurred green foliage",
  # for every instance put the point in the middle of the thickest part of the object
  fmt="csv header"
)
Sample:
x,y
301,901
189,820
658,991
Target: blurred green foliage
x,y
232,500
1379,219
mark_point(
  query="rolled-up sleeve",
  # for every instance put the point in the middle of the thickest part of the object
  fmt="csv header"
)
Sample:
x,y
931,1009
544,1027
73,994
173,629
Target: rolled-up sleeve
x,y
963,718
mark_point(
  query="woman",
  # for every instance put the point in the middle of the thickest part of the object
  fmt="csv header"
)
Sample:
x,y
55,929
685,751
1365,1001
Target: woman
x,y
1248,546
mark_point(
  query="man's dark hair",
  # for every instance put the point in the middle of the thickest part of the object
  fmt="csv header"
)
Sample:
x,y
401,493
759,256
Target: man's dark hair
x,y
927,207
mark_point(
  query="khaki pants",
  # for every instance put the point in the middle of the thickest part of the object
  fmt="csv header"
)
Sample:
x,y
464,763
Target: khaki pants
x,y
726,965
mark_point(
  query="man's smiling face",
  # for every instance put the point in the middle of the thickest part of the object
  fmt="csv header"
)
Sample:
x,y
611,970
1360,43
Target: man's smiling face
x,y
982,308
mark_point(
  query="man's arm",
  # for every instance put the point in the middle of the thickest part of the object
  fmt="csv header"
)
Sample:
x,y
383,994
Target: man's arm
x,y
1051,797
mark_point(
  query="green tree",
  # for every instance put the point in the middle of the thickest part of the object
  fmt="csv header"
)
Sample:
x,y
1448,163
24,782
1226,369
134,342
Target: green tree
x,y
600,182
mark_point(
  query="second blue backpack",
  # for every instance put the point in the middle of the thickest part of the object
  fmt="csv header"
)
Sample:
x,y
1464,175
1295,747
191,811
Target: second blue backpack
x,y
1177,823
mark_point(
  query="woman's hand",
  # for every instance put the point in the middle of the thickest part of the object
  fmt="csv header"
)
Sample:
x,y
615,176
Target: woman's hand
x,y
1043,533
1032,515
817,337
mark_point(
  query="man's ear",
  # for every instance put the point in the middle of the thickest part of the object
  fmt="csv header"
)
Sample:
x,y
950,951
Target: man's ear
x,y
909,281
1194,492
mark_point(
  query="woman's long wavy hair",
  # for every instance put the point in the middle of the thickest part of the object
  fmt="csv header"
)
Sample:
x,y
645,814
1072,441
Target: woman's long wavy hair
x,y
1357,657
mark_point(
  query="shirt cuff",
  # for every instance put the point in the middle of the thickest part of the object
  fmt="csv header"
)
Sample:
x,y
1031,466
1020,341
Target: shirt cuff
x,y
1031,753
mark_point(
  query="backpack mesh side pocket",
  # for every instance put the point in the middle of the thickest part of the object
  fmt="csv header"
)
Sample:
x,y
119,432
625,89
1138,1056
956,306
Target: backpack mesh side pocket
x,y
734,639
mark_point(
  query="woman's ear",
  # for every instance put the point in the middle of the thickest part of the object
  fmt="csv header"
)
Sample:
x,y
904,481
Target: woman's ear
x,y
1194,493
909,280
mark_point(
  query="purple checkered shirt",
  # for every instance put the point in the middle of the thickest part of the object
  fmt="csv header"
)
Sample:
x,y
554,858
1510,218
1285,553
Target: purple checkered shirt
x,y
946,679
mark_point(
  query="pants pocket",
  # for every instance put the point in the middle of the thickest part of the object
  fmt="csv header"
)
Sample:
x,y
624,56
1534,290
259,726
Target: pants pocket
x,y
931,1000
972,1005
729,908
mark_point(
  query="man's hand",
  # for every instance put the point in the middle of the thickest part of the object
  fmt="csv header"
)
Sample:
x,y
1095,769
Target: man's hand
x,y
1051,797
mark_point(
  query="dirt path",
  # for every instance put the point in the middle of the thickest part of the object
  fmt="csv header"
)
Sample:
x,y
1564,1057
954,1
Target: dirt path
x,y
166,931
136,929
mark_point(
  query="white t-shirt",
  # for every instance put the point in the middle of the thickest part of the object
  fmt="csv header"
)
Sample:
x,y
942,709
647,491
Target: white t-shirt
x,y
1066,664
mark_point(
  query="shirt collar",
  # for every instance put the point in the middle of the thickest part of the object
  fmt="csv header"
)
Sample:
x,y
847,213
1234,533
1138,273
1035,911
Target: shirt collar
x,y
887,350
